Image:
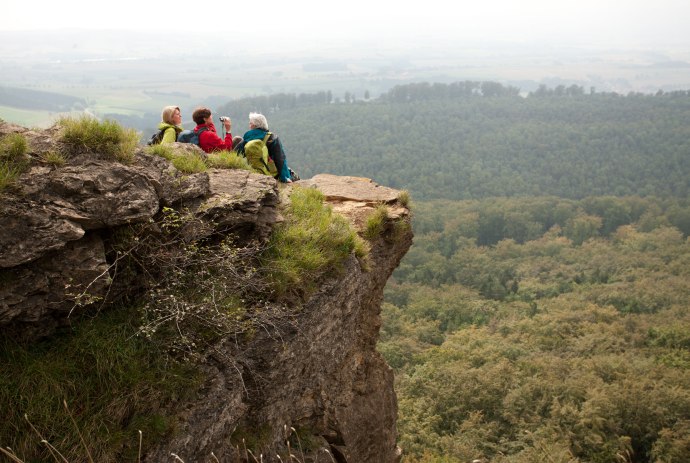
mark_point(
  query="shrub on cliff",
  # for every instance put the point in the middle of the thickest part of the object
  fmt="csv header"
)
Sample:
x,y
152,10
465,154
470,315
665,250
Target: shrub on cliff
x,y
107,138
310,243
376,222
13,159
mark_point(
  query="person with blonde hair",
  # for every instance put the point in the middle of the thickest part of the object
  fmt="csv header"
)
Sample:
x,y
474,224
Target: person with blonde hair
x,y
171,124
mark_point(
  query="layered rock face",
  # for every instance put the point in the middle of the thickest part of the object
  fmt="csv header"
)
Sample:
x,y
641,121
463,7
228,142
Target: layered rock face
x,y
320,374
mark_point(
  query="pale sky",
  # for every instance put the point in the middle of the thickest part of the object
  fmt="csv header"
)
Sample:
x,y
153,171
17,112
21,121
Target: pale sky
x,y
581,22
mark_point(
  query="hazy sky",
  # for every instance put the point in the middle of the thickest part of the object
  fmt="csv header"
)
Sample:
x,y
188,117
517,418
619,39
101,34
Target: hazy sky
x,y
605,23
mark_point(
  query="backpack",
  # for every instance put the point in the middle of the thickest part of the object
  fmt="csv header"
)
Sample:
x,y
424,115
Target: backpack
x,y
190,136
256,152
156,138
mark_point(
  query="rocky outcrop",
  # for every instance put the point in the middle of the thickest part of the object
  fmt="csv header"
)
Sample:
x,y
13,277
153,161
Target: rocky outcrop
x,y
319,374
52,224
323,375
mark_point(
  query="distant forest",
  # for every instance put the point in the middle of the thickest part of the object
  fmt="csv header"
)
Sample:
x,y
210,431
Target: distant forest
x,y
23,98
466,140
473,140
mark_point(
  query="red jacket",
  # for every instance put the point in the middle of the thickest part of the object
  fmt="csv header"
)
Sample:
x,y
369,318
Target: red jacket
x,y
210,141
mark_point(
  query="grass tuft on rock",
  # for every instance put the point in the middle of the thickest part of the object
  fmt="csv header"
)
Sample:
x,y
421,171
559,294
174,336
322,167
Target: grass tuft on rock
x,y
191,163
312,242
107,138
228,160
13,159
404,198
376,222
53,158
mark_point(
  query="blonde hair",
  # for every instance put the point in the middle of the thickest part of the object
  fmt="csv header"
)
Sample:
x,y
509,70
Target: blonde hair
x,y
167,114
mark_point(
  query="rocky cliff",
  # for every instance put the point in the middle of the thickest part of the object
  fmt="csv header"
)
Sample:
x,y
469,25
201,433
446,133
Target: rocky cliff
x,y
318,372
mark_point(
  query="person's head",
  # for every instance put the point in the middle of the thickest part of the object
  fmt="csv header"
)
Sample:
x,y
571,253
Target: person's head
x,y
171,115
201,115
257,121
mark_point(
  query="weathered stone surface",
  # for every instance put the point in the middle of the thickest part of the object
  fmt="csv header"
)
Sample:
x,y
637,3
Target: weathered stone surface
x,y
55,206
325,377
240,202
43,293
361,189
171,185
98,194
356,197
31,229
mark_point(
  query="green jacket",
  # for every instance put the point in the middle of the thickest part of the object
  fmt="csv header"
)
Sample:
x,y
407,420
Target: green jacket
x,y
171,131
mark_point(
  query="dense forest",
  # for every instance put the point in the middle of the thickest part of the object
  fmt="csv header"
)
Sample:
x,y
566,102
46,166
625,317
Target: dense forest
x,y
542,312
564,337
480,139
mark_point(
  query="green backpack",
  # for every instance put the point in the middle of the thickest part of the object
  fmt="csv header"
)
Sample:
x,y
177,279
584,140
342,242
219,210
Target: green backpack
x,y
256,152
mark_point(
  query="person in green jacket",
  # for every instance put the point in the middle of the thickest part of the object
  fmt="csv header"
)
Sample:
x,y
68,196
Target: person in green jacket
x,y
171,122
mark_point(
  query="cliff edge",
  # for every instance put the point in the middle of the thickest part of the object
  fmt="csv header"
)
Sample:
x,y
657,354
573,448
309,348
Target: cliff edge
x,y
312,373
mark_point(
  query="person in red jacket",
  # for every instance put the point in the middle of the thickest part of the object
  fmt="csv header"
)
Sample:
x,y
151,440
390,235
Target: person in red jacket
x,y
208,139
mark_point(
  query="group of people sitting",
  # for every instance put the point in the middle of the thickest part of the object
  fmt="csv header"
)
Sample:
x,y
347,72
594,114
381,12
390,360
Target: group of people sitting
x,y
209,140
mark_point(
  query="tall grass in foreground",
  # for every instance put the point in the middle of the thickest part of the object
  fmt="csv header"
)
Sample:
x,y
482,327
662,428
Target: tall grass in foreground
x,y
87,134
241,452
312,241
115,384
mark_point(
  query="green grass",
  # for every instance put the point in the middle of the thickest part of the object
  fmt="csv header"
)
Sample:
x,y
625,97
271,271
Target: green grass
x,y
114,384
404,198
163,150
53,158
8,175
228,160
107,138
376,222
313,241
13,147
13,159
191,163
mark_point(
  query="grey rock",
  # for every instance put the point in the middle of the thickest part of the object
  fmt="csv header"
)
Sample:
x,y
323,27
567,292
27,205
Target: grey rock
x,y
53,207
41,295
30,229
239,202
98,194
